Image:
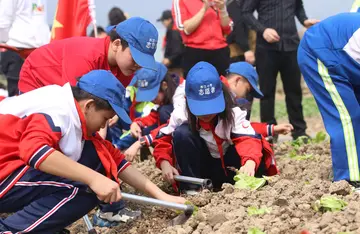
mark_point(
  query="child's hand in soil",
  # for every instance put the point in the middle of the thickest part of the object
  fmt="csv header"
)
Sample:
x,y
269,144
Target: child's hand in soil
x,y
283,129
132,151
135,130
105,189
248,168
168,171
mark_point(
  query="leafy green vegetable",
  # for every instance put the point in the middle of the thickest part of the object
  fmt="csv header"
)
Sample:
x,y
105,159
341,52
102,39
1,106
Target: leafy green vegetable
x,y
329,203
303,140
253,210
243,181
320,137
196,209
294,155
255,230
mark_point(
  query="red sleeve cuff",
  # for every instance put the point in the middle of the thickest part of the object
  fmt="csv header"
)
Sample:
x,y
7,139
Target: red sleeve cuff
x,y
139,123
148,139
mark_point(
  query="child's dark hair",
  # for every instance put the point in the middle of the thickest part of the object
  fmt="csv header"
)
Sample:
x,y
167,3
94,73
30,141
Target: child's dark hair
x,y
99,30
226,116
171,88
79,95
114,36
116,16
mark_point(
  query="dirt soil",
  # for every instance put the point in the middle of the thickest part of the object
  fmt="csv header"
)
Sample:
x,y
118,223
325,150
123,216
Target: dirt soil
x,y
290,197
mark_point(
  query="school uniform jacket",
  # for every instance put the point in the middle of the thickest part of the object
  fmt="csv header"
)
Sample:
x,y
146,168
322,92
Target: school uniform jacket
x,y
178,117
249,144
154,118
37,123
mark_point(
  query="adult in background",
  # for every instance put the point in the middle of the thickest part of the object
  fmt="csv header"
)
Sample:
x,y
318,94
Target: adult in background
x,y
241,40
276,50
203,26
23,26
116,16
242,46
173,44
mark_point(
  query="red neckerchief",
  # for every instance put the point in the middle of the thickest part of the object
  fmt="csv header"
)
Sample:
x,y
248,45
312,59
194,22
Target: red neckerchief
x,y
132,108
103,153
211,127
225,81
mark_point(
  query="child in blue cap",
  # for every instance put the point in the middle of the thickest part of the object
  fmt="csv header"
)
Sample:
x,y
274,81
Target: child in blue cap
x,y
130,45
215,136
51,154
241,79
165,91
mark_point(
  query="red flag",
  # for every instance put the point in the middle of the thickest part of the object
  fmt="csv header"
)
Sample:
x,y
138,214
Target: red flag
x,y
71,19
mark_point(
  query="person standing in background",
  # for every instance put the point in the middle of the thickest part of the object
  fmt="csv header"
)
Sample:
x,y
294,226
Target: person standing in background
x,y
173,44
241,40
276,51
203,25
23,26
116,16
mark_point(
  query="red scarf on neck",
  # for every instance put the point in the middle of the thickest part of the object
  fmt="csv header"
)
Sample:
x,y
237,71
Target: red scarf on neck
x,y
209,126
103,153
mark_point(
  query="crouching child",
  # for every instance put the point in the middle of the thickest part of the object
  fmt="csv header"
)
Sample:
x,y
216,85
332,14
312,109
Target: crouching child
x,y
215,137
51,153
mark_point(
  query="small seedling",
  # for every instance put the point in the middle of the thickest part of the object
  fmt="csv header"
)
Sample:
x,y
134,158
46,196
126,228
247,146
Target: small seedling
x,y
329,203
253,210
255,230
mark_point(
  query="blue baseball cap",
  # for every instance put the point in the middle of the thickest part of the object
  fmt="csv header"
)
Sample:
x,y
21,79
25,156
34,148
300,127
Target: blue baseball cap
x,y
247,71
148,82
203,90
142,37
103,84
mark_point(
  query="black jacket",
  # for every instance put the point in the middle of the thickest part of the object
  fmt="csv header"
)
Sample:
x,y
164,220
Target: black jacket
x,y
277,14
174,48
240,33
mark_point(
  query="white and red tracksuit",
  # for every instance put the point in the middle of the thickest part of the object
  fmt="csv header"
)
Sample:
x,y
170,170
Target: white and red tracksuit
x,y
34,125
214,148
154,117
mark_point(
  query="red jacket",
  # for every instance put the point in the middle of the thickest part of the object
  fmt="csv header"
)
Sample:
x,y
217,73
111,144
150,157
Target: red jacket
x,y
209,35
66,60
246,146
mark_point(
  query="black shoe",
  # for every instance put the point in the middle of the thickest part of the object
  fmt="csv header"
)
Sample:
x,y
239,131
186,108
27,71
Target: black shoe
x,y
355,184
144,153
